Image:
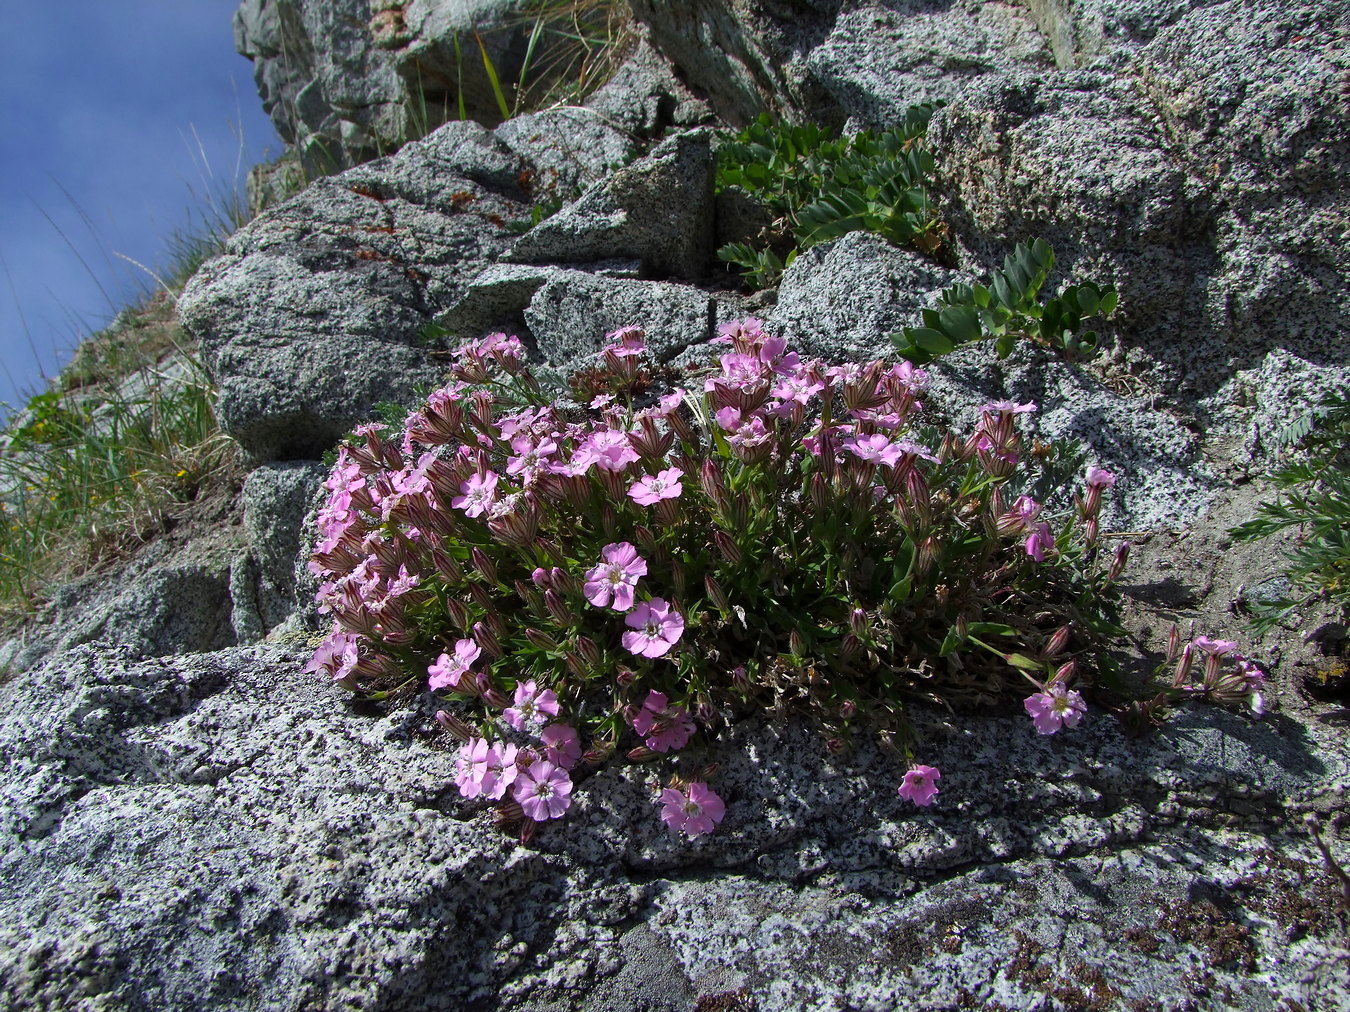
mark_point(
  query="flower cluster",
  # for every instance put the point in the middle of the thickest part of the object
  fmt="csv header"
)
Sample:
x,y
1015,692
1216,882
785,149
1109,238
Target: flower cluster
x,y
625,579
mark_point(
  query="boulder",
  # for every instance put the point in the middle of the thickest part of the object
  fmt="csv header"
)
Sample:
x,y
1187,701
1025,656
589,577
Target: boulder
x,y
657,210
352,80
843,299
213,831
315,312
881,58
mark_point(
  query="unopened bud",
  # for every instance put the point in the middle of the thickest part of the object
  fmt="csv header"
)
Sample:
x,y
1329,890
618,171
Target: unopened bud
x,y
541,640
727,547
1059,639
962,629
557,610
836,745
1090,530
480,596
459,614
706,712
454,725
847,709
716,594
681,427
820,493
1118,563
483,564
679,582
645,539
495,698
527,831
487,639
796,645
446,566
851,648
599,752
590,653
576,666
857,622
1065,672
1183,671
739,679
1173,643
624,678
642,754
928,555
508,813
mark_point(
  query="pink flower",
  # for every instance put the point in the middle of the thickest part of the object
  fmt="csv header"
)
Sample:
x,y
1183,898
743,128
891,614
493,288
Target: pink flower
x,y
695,811
501,771
336,656
611,583
531,706
1055,708
875,448
1012,407
920,785
657,628
648,491
1040,542
562,746
611,448
448,670
471,767
479,491
1215,648
662,726
531,456
1100,477
543,791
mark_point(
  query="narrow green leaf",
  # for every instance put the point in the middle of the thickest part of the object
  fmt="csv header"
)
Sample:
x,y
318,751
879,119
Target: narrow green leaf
x,y
502,104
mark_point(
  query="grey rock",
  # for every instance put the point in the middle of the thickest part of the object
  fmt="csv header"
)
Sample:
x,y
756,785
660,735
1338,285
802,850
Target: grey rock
x,y
315,312
843,299
275,498
882,58
572,311
1165,478
659,210
570,149
212,831
351,80
645,95
496,300
746,58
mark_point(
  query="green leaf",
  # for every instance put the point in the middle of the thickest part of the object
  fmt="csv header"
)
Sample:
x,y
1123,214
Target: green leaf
x,y
929,340
961,324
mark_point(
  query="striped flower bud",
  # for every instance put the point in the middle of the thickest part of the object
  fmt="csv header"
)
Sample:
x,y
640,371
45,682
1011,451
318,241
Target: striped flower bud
x,y
483,564
541,640
454,725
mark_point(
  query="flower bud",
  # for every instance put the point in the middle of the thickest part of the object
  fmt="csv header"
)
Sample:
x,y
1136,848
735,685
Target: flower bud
x,y
642,754
820,493
576,666
836,745
508,813
716,594
495,698
645,539
483,564
624,678
1183,671
557,609
454,725
796,645
857,622
847,709
1118,563
679,581
740,681
589,652
927,556
599,752
527,830
459,614
1173,643
727,547
1059,639
1064,672
680,426
487,639
541,640
706,712
446,566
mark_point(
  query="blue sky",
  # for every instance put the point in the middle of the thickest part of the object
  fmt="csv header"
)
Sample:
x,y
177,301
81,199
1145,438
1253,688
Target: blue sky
x,y
122,124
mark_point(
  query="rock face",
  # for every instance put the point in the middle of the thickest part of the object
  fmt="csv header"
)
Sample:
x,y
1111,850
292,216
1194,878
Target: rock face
x,y
188,821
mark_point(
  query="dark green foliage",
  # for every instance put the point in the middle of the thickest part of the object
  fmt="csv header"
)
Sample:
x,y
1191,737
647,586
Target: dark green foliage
x,y
1007,308
818,187
1315,497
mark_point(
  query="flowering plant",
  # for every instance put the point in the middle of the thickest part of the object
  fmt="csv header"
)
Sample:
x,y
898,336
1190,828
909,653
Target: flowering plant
x,y
777,533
